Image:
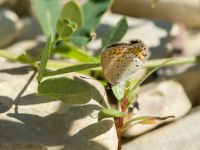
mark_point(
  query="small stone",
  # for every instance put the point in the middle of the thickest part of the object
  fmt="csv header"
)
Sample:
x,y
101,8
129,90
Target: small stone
x,y
22,8
32,47
165,98
9,27
163,10
39,120
22,146
180,135
190,80
2,2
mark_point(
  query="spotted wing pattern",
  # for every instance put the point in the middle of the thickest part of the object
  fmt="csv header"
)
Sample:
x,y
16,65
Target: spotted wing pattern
x,y
119,61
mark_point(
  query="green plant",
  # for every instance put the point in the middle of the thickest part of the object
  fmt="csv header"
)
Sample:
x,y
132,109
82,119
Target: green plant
x,y
68,32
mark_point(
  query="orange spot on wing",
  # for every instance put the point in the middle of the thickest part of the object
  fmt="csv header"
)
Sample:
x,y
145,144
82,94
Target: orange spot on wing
x,y
139,54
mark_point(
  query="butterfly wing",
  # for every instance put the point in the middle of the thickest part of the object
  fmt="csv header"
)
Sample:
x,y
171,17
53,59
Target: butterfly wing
x,y
119,62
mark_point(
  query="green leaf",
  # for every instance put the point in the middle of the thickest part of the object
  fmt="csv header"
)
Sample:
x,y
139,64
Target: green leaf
x,y
73,68
79,41
71,91
93,11
69,51
145,120
129,85
25,58
47,12
45,57
116,33
108,113
118,91
73,12
82,36
59,26
67,31
65,28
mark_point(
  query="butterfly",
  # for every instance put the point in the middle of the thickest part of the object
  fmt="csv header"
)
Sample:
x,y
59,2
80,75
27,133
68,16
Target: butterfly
x,y
120,61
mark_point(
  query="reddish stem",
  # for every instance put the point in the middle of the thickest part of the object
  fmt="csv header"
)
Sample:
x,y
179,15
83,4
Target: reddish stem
x,y
120,121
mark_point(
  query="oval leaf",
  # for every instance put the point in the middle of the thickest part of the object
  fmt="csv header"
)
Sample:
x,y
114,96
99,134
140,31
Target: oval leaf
x,y
71,91
93,11
118,91
108,113
65,28
67,31
82,36
79,40
25,58
69,51
116,33
72,11
47,13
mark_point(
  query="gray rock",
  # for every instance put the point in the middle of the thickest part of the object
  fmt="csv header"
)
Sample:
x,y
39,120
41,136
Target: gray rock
x,y
163,10
190,80
7,3
192,43
31,30
22,147
165,98
30,120
29,39
22,8
2,2
32,47
9,27
183,134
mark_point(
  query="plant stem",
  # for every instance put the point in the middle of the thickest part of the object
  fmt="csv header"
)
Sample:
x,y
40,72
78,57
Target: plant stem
x,y
73,68
174,61
147,75
149,64
52,64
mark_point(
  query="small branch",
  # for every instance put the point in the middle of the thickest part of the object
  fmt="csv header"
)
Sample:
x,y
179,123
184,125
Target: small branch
x,y
57,64
17,99
72,68
174,61
53,64
150,64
